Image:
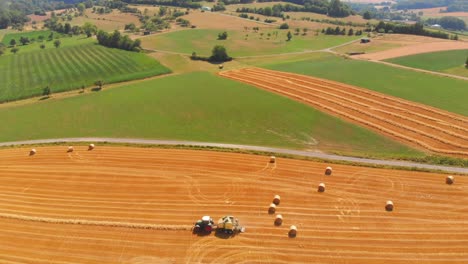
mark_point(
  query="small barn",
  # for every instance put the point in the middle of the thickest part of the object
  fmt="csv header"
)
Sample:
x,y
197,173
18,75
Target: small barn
x,y
206,8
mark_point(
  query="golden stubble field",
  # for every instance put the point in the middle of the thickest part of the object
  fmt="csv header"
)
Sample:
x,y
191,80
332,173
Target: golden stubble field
x,y
137,205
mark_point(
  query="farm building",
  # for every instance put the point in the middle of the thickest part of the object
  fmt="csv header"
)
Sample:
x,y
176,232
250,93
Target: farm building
x,y
206,8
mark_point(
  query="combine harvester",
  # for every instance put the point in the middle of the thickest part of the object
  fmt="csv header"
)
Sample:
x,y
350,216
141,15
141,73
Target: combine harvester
x,y
227,224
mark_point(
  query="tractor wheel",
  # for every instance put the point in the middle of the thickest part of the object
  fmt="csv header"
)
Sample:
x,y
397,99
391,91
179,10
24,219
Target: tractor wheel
x,y
208,228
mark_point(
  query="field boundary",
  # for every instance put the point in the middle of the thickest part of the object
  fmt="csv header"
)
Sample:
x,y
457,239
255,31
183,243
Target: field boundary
x,y
302,153
416,69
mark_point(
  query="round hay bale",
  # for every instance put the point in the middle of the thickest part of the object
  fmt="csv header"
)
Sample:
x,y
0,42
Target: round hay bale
x,y
278,220
321,187
91,147
277,199
272,159
70,149
272,208
221,66
32,152
389,206
328,171
449,180
292,231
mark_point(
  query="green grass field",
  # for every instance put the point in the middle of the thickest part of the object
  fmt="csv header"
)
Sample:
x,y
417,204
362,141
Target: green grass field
x,y
196,106
452,61
26,74
3,32
203,40
440,92
31,35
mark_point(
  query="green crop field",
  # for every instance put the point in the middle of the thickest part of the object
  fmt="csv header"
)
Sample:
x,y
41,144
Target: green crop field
x,y
31,35
452,61
65,41
26,74
238,44
195,106
440,92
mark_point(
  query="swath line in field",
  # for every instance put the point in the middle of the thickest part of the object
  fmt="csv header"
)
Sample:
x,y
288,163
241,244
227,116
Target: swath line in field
x,y
51,220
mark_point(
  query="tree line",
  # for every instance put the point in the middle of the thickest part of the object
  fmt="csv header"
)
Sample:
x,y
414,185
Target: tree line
x,y
179,3
414,29
452,5
448,22
334,8
218,54
341,31
66,28
420,4
117,40
15,13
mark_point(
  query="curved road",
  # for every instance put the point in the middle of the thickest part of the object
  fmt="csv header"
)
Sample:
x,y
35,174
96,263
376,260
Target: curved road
x,y
243,147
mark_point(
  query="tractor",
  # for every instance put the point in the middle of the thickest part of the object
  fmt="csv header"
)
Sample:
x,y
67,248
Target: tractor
x,y
229,225
204,225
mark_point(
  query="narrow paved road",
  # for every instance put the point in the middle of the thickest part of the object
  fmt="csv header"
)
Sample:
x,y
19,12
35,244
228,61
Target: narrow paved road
x,y
242,147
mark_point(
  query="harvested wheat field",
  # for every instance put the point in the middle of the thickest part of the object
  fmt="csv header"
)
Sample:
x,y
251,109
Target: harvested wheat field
x,y
422,126
213,20
137,205
415,49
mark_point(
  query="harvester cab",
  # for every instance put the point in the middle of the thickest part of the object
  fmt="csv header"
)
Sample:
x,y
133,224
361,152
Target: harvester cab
x,y
229,225
204,225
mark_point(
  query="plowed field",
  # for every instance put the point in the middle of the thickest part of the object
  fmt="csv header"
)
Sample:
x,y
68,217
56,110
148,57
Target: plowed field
x,y
136,205
416,124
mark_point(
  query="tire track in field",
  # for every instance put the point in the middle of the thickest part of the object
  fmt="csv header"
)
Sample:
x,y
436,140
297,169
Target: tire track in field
x,y
66,221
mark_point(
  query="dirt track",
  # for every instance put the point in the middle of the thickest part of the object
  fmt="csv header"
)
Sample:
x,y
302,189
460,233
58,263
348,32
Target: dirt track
x,y
169,189
419,125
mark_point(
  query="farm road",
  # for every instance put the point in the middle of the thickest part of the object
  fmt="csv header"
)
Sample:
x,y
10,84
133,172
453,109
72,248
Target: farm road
x,y
418,70
319,155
